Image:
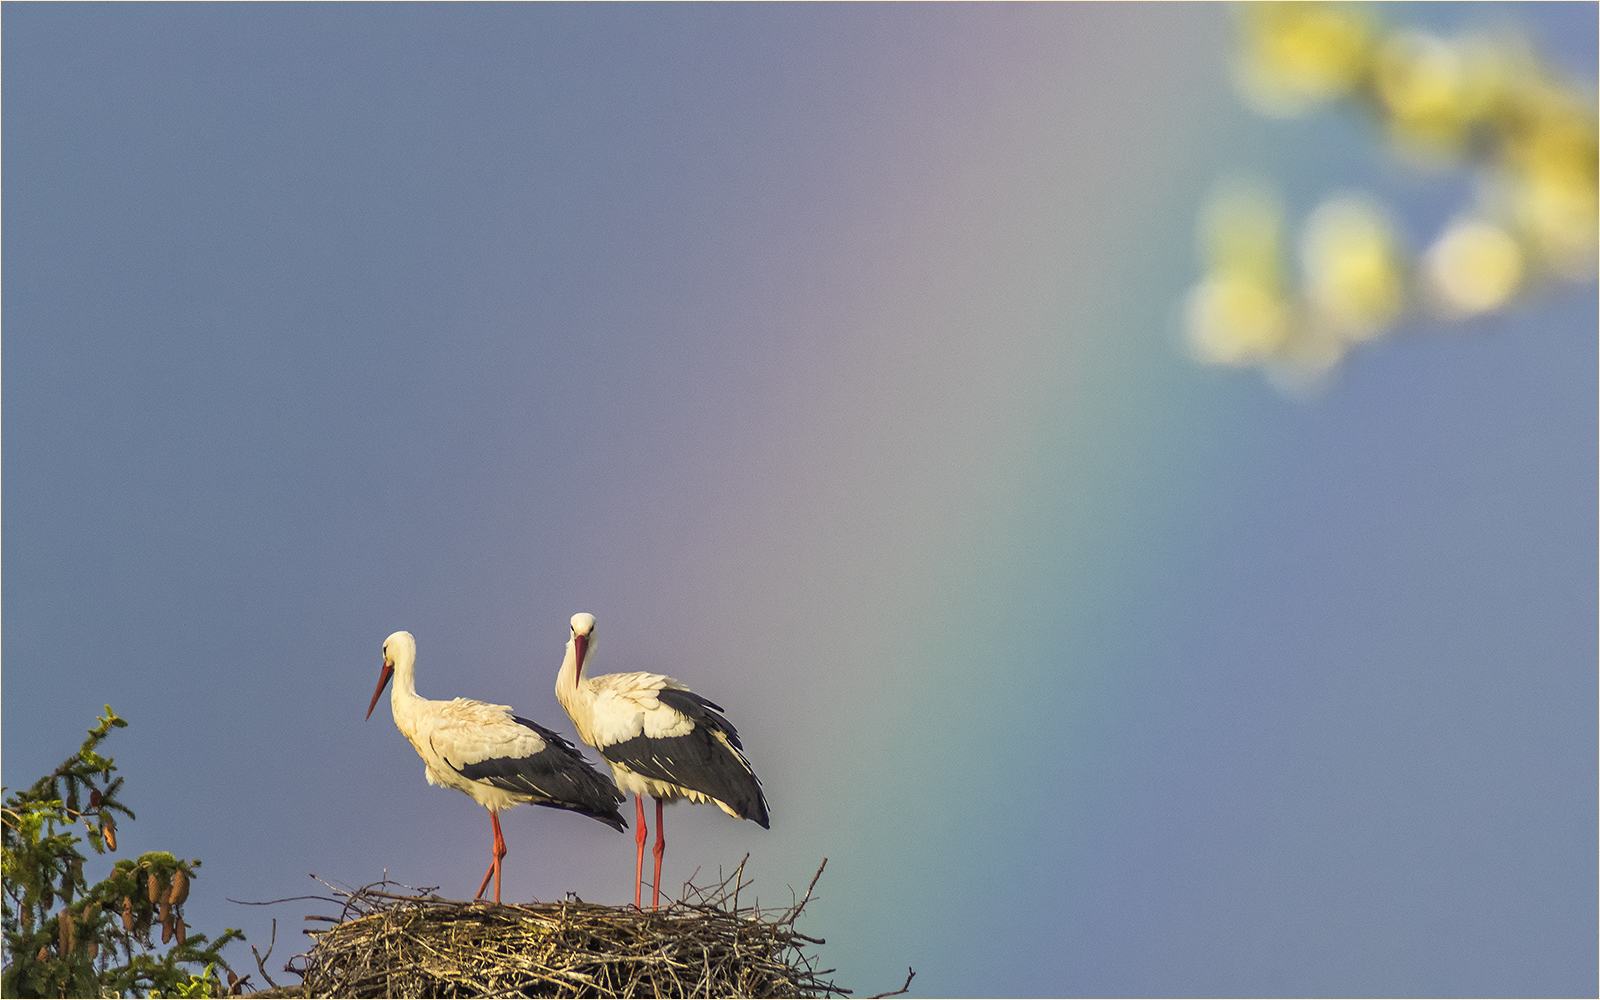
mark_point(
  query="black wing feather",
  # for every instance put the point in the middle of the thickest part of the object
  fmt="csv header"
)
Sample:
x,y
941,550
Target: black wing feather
x,y
557,776
697,759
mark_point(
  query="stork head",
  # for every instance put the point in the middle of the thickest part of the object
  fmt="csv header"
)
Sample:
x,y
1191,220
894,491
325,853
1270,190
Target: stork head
x,y
400,648
582,639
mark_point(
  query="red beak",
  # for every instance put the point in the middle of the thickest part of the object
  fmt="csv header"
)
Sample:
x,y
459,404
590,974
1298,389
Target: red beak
x,y
383,682
580,643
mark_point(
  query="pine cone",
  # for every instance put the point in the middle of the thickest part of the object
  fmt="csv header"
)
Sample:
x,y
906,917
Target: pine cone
x,y
44,953
166,912
127,914
154,888
108,830
94,950
180,930
180,888
94,798
65,921
166,927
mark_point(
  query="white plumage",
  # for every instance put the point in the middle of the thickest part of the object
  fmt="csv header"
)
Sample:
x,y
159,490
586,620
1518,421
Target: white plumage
x,y
660,739
498,758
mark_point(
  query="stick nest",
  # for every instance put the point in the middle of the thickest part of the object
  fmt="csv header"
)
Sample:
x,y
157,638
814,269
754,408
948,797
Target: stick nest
x,y
703,945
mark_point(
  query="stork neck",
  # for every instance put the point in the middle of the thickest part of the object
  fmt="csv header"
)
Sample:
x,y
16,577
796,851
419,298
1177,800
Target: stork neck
x,y
576,699
404,690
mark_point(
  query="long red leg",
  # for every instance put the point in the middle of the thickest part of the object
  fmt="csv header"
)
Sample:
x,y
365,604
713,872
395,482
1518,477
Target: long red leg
x,y
494,865
499,853
639,838
661,848
496,853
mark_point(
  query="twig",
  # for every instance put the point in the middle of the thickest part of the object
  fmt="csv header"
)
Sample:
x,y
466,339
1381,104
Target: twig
x,y
274,902
813,884
261,960
738,875
910,975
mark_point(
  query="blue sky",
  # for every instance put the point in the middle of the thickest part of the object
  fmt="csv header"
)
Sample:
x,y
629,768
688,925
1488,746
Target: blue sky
x,y
828,357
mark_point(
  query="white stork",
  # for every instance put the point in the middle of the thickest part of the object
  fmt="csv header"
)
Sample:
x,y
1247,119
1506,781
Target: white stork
x,y
499,759
661,740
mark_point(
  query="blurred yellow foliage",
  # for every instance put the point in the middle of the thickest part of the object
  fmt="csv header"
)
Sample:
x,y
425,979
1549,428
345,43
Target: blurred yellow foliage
x,y
1351,261
1238,315
1550,175
1296,56
1433,92
1474,267
1485,101
1242,232
1235,321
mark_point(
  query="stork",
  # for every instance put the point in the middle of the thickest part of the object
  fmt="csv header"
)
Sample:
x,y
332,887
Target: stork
x,y
499,759
661,740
